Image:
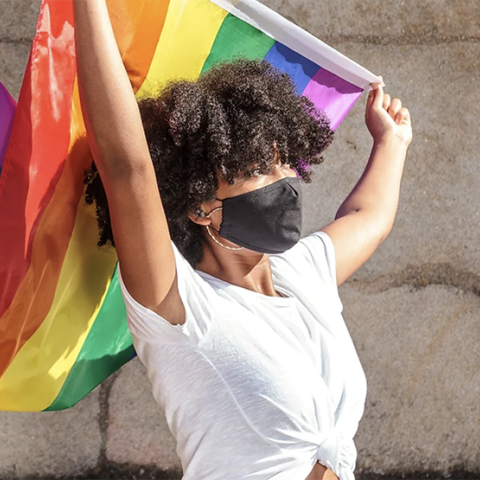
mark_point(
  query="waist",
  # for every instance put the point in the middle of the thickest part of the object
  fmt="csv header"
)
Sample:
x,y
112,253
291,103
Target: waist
x,y
320,472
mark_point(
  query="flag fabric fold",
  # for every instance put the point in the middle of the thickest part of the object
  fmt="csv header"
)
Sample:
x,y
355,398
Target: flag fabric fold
x,y
62,318
7,115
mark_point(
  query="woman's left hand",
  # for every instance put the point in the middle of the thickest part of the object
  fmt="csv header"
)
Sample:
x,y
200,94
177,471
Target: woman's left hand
x,y
386,117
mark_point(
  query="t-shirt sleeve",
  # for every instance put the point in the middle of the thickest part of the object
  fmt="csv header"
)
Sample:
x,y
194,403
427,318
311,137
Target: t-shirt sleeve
x,y
321,254
197,297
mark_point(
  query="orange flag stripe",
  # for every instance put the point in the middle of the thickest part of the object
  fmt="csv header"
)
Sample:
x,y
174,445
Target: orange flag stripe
x,y
35,294
137,27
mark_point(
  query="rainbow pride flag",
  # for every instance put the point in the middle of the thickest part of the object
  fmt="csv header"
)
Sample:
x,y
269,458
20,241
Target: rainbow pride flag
x,y
62,318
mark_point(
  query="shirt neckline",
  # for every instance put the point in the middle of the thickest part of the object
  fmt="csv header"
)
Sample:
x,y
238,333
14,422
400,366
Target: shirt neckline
x,y
286,301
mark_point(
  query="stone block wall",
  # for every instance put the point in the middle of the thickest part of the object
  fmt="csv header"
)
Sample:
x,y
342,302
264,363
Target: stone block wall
x,y
413,309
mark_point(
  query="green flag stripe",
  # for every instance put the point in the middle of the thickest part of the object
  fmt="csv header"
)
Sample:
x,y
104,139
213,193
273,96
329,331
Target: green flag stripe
x,y
107,347
237,39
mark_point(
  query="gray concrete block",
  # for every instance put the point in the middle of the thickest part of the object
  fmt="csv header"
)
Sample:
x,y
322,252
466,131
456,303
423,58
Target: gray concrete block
x,y
50,444
137,430
420,350
402,21
13,62
405,21
18,19
439,214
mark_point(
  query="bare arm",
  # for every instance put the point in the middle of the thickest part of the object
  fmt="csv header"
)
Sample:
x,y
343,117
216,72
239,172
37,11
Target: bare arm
x,y
366,217
120,150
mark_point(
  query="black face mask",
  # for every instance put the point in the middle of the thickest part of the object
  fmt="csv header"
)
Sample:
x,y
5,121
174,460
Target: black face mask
x,y
267,220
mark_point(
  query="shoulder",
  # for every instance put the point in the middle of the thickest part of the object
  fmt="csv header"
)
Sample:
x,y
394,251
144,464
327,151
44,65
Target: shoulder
x,y
197,297
314,253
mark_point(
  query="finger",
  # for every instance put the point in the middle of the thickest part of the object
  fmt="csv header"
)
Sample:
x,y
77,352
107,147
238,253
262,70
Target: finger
x,y
395,107
370,98
386,101
378,97
402,116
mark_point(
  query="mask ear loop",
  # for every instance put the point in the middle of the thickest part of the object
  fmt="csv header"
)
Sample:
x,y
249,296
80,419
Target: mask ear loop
x,y
214,239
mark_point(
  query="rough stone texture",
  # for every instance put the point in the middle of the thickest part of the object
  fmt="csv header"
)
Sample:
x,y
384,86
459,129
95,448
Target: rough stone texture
x,y
13,61
403,20
50,443
18,20
420,350
438,218
137,430
419,347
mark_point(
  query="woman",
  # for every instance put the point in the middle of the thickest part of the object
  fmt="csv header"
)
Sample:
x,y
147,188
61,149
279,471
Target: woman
x,y
237,320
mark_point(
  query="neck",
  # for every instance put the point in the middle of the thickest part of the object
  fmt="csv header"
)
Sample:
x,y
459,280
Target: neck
x,y
247,270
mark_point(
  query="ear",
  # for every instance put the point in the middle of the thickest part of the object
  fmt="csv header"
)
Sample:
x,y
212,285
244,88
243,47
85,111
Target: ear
x,y
199,220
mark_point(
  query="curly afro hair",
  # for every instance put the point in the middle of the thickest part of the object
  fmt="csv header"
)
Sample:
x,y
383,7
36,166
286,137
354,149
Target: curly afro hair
x,y
227,124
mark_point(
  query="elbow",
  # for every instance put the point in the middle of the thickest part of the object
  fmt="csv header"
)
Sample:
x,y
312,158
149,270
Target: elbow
x,y
379,224
383,236
121,168
383,228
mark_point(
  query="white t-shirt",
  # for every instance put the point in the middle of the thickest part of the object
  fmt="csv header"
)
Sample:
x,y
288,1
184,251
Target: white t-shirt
x,y
257,387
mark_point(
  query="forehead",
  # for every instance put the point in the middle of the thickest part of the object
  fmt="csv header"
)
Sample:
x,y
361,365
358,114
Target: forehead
x,y
249,184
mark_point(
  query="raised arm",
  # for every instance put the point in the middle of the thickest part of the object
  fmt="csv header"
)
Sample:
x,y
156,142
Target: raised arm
x,y
366,217
120,150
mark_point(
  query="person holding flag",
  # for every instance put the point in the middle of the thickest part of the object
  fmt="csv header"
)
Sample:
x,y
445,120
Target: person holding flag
x,y
236,317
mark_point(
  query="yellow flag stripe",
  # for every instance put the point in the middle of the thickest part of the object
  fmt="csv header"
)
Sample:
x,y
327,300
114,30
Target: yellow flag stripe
x,y
55,346
185,43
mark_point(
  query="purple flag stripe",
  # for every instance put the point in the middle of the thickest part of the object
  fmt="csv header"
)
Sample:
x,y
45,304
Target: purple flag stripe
x,y
300,69
7,113
333,95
